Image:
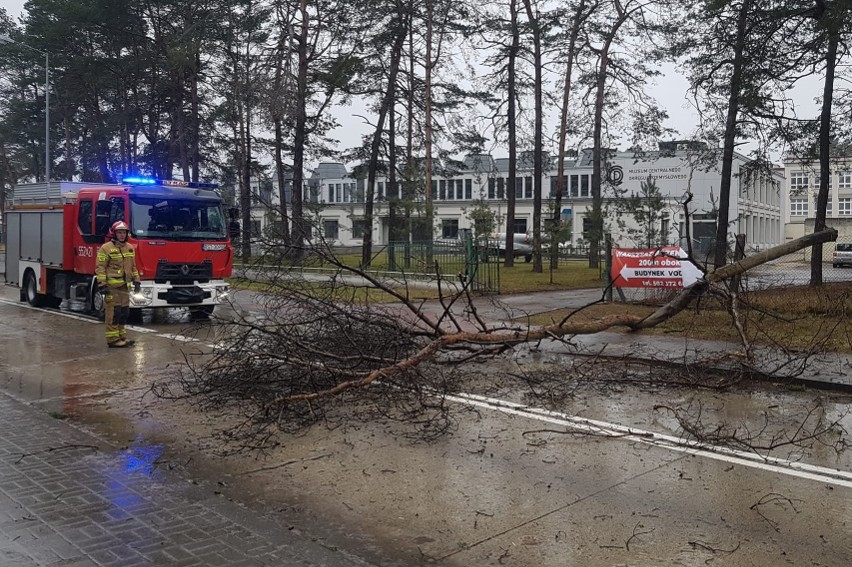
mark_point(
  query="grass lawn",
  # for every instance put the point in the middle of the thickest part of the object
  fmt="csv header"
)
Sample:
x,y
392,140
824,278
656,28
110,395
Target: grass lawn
x,y
571,274
799,318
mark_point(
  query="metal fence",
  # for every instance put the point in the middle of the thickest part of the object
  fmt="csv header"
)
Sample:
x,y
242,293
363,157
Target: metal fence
x,y
461,261
795,269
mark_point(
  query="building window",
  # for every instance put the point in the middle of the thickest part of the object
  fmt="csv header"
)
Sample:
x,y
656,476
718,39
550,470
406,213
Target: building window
x,y
799,182
799,207
519,188
331,194
358,227
520,226
844,207
330,229
828,208
844,180
450,228
468,189
584,186
575,185
442,192
501,188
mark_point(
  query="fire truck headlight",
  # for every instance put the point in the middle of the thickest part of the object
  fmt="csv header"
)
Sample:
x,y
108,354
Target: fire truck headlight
x,y
142,298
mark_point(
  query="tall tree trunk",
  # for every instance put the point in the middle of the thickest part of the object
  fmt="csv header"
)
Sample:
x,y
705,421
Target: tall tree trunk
x,y
300,137
511,117
387,104
596,234
833,34
195,122
721,253
410,167
391,189
427,120
279,170
563,134
538,172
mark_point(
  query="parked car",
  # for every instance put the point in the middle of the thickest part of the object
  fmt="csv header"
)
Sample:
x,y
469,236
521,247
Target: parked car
x,y
842,255
521,246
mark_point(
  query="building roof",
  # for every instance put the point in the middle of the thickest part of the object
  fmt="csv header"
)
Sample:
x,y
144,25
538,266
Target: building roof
x,y
330,170
479,163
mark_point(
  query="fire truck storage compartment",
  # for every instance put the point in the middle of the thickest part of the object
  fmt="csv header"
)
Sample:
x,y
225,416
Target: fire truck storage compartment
x,y
39,240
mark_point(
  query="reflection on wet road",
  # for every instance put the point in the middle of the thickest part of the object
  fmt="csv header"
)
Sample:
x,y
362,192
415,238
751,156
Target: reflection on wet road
x,y
604,479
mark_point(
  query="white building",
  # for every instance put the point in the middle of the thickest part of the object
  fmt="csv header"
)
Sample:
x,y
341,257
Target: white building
x,y
801,191
755,205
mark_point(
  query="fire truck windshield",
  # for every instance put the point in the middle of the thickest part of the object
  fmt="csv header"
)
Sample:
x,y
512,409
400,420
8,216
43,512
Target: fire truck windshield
x,y
176,219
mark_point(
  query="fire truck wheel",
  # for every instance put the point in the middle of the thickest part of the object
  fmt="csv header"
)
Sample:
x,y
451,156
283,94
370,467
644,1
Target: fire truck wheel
x,y
96,302
34,298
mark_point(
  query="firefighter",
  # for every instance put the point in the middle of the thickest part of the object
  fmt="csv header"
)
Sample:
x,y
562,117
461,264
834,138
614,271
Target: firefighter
x,y
116,272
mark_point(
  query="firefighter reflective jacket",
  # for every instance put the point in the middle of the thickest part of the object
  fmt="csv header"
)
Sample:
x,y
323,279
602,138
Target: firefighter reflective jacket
x,y
116,264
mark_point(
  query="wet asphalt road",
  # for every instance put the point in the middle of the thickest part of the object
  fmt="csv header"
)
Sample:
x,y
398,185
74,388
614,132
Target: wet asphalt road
x,y
508,487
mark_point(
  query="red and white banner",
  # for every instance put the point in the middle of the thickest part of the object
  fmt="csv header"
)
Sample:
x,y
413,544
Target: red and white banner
x,y
653,268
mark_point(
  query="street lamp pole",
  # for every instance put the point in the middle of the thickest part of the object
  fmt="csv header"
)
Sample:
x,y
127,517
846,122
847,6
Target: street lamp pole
x,y
6,39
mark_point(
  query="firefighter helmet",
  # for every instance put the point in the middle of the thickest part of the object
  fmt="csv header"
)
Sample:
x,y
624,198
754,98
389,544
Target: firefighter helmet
x,y
117,225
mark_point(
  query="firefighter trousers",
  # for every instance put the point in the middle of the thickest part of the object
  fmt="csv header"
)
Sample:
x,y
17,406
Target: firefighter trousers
x,y
116,312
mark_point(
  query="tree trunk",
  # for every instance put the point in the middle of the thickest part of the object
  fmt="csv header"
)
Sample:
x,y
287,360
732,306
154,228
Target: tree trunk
x,y
299,138
824,147
245,185
195,156
721,252
427,120
537,143
597,158
387,103
511,93
563,134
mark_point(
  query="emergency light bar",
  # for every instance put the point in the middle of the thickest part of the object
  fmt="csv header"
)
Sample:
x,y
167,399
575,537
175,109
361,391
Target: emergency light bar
x,y
139,180
167,182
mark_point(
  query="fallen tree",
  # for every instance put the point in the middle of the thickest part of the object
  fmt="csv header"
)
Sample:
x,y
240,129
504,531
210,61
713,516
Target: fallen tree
x,y
319,344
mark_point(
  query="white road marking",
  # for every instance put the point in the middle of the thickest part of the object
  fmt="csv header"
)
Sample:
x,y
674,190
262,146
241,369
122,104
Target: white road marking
x,y
40,310
796,469
777,465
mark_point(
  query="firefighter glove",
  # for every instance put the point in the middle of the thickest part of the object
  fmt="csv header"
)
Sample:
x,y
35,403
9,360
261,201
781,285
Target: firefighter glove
x,y
103,289
137,287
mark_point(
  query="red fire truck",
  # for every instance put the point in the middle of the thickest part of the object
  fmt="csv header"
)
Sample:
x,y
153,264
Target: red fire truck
x,y
183,253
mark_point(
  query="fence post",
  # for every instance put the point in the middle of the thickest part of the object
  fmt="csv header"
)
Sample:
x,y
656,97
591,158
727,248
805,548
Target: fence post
x,y
391,251
608,264
469,261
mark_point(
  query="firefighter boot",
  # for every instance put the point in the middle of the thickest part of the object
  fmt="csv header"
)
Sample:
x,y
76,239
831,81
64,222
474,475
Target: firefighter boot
x,y
120,343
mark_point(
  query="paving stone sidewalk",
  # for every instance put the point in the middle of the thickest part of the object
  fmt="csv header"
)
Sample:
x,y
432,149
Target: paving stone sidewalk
x,y
67,499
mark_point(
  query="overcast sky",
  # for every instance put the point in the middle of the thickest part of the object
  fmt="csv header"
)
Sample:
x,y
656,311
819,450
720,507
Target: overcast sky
x,y
670,92
14,7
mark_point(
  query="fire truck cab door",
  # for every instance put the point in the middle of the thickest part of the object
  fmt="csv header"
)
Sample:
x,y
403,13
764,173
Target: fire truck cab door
x,y
94,217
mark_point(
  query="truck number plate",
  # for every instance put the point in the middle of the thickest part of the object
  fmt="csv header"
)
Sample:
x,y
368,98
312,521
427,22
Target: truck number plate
x,y
212,246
